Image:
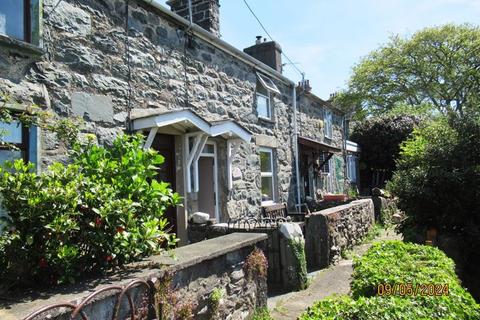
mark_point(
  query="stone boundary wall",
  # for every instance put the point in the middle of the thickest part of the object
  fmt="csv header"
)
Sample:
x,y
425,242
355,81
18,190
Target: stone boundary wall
x,y
282,271
330,231
196,271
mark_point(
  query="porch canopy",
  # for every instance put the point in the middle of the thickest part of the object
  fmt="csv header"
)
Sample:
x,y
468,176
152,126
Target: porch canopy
x,y
319,146
196,130
180,122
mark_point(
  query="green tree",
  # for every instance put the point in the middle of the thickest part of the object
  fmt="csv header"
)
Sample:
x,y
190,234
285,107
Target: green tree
x,y
438,66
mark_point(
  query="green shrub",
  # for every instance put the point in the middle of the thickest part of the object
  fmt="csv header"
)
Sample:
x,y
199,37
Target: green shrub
x,y
102,210
383,308
215,296
398,263
437,182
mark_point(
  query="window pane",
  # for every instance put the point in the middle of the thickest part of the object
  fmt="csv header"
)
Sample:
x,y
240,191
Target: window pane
x,y
326,166
265,161
12,18
209,148
263,107
267,189
11,132
9,155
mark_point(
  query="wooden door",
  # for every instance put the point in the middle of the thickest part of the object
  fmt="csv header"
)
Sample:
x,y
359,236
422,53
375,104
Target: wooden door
x,y
165,145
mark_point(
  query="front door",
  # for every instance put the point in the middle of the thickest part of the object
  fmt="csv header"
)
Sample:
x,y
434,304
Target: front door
x,y
165,145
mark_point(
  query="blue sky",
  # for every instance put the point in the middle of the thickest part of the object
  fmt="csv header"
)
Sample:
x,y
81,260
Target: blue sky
x,y
328,37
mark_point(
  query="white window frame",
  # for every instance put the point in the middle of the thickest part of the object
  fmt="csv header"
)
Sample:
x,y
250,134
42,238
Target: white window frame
x,y
269,105
215,173
352,168
267,83
268,174
328,124
32,29
270,88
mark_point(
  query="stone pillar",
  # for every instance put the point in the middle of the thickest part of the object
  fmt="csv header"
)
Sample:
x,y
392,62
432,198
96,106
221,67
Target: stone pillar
x,y
292,256
205,13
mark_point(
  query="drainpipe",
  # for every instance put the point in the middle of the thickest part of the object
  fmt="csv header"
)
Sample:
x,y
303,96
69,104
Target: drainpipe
x,y
190,13
295,143
346,186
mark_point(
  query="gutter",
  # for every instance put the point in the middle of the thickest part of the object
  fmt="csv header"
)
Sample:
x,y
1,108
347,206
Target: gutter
x,y
219,43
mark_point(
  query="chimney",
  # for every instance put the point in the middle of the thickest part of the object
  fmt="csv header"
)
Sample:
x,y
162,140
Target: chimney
x,y
205,13
269,53
305,85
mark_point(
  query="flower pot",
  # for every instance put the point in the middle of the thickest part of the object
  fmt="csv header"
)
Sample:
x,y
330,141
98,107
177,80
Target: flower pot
x,y
335,197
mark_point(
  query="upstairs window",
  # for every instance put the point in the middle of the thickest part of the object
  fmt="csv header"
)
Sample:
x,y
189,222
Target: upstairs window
x,y
20,19
266,168
264,107
328,124
265,88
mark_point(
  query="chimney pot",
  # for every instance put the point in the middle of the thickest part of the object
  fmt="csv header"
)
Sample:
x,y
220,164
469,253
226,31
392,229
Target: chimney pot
x,y
259,40
205,13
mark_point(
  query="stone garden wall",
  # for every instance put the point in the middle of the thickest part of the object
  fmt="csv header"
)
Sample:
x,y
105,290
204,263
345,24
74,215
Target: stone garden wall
x,y
196,272
330,231
284,271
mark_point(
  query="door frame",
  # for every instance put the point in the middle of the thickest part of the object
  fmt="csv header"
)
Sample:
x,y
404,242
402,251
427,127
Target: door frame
x,y
215,174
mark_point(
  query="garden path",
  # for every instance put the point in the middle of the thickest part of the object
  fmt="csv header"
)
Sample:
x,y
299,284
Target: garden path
x,y
334,280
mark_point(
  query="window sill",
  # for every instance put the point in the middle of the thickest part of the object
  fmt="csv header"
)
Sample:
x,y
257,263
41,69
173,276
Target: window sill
x,y
267,203
265,119
20,46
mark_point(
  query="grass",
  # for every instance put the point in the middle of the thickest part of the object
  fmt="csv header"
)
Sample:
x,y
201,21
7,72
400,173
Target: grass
x,y
262,314
374,232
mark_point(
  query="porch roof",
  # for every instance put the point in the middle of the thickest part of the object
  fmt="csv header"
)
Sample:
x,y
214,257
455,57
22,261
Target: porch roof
x,y
311,143
185,121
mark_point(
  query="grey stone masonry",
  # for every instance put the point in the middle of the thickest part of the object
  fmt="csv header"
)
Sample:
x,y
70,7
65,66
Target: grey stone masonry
x,y
101,65
311,120
330,231
84,72
205,13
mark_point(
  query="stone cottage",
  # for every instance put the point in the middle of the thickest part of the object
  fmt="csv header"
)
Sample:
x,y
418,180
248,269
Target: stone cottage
x,y
230,126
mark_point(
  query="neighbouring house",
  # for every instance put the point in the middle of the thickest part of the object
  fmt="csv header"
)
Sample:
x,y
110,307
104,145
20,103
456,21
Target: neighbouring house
x,y
236,134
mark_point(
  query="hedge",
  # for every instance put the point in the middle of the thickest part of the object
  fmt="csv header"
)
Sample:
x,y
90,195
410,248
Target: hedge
x,y
396,263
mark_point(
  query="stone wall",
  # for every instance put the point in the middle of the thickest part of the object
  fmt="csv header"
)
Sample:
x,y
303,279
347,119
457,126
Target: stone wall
x,y
197,270
283,269
84,72
311,125
311,115
330,231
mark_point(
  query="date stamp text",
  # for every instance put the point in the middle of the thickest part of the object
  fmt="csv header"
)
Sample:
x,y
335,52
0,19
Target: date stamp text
x,y
412,289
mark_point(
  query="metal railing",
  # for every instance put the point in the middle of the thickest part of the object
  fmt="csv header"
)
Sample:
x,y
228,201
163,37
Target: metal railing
x,y
139,312
250,223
